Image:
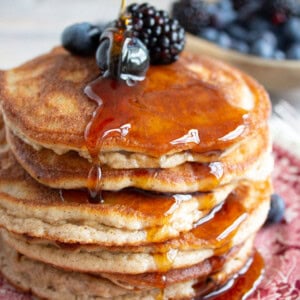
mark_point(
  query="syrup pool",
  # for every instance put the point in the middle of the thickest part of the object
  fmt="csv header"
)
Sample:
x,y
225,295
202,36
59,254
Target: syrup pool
x,y
170,111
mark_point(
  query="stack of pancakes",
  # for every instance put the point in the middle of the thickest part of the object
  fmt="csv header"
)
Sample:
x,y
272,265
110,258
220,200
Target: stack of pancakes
x,y
183,191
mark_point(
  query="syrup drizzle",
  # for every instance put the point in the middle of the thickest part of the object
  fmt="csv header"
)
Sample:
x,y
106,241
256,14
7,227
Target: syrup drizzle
x,y
118,116
141,116
123,6
158,126
219,227
241,286
101,128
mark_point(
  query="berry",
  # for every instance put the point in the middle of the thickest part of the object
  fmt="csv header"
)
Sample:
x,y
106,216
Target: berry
x,y
223,16
225,5
292,29
102,55
276,211
279,55
240,46
239,4
294,51
135,59
163,36
81,38
270,38
262,48
192,14
246,8
258,23
280,10
237,31
224,40
209,33
131,60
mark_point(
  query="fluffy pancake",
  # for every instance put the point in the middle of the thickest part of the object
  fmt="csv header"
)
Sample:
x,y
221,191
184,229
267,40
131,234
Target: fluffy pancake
x,y
251,159
184,188
125,217
67,216
52,283
44,104
239,218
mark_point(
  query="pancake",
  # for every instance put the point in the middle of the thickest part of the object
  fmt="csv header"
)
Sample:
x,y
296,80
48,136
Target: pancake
x,y
240,217
180,190
251,160
126,216
216,106
52,283
28,207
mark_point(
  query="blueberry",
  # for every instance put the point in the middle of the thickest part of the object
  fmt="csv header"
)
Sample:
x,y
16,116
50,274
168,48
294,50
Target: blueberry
x,y
81,38
135,59
130,63
276,211
224,40
282,40
279,55
102,54
270,38
247,9
237,31
258,23
209,33
252,36
225,5
294,51
262,48
292,29
222,18
240,46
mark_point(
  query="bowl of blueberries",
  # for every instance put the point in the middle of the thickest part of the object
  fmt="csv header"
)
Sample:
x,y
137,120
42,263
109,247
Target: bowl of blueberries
x,y
261,37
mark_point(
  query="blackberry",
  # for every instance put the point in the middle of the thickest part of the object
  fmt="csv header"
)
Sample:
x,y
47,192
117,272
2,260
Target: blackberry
x,y
162,35
193,14
280,10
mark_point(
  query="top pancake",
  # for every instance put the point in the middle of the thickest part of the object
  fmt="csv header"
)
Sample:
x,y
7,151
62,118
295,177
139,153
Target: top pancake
x,y
195,104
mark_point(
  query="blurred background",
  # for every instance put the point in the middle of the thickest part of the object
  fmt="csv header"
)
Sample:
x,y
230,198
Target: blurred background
x,y
31,27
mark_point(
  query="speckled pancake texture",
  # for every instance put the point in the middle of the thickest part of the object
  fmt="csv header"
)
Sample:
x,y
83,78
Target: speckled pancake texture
x,y
44,104
183,190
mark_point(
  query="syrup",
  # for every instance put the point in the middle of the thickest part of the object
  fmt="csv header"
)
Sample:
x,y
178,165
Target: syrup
x,y
123,6
240,287
215,230
154,208
200,120
143,117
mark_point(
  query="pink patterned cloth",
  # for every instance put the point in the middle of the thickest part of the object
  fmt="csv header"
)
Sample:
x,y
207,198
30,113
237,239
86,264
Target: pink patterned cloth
x,y
279,244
